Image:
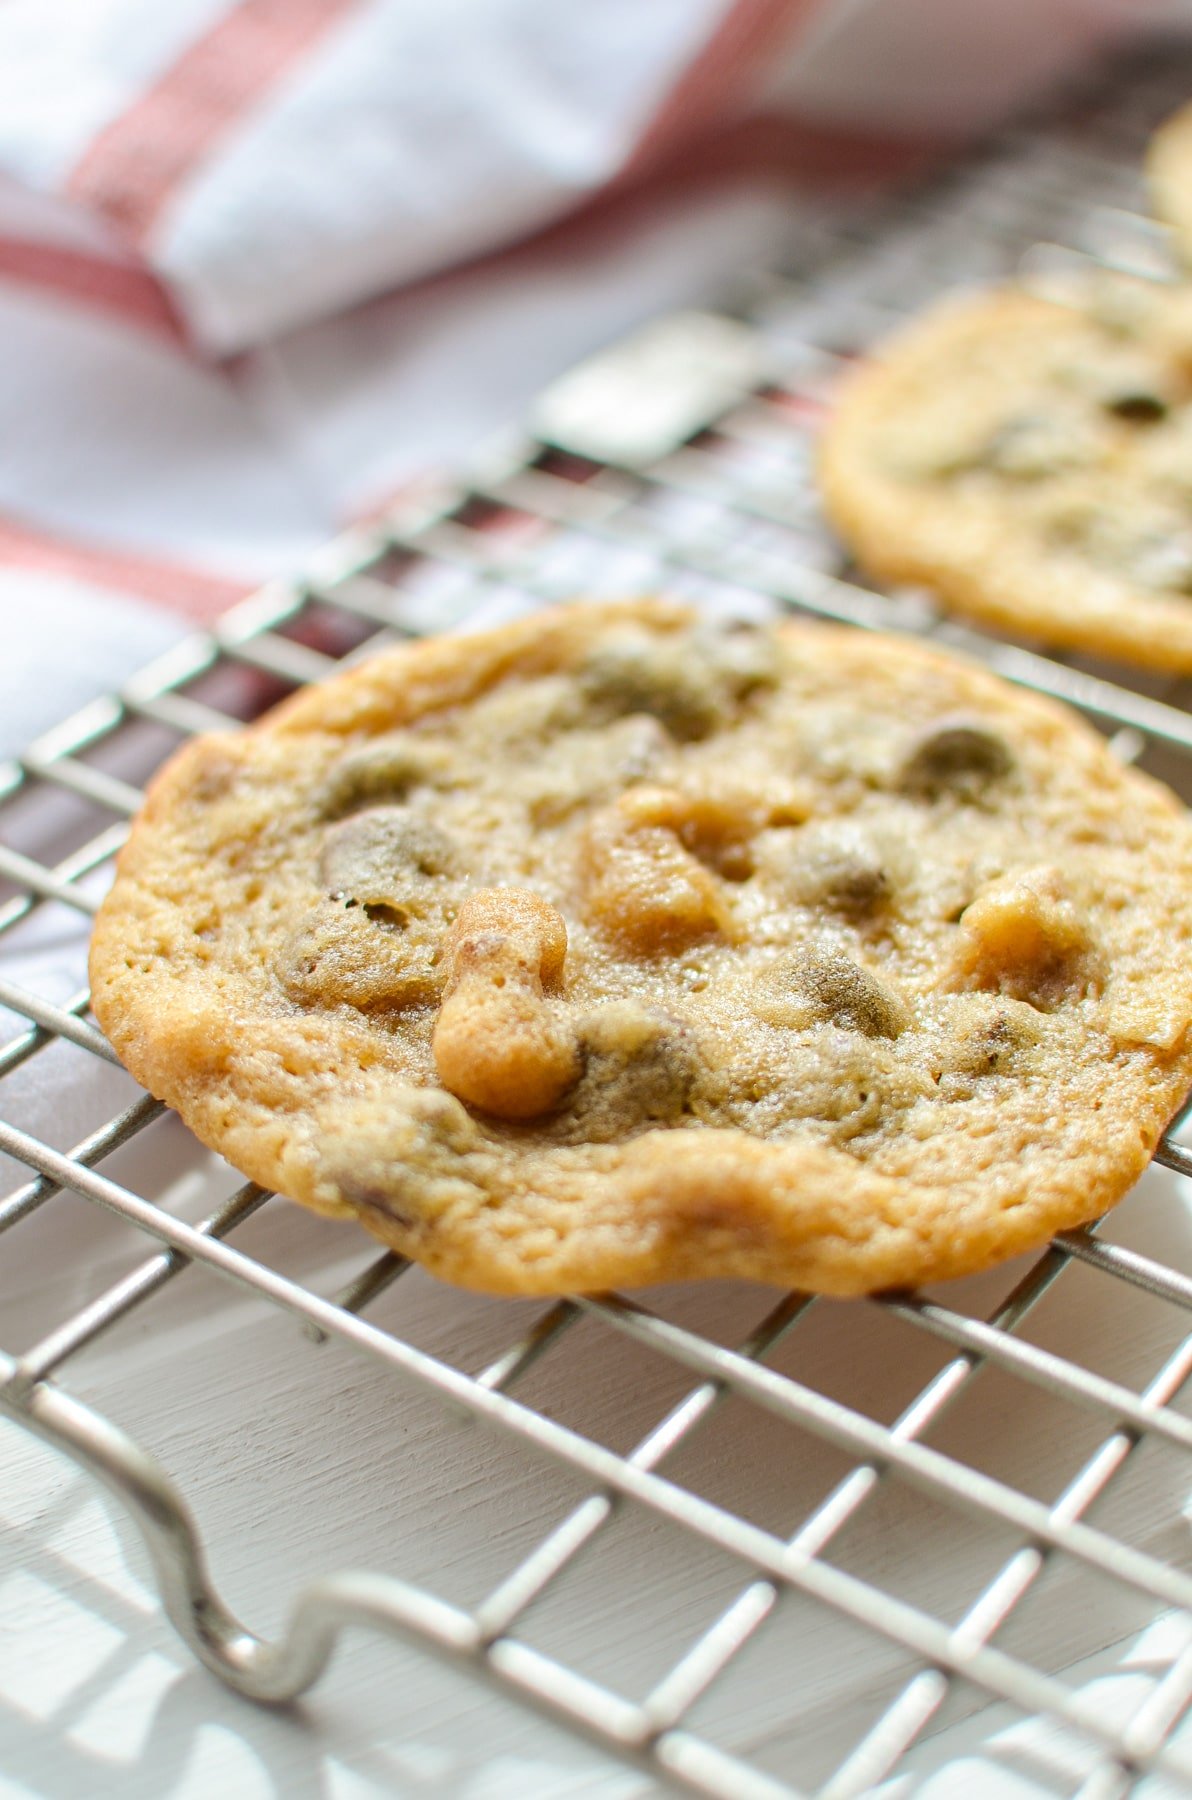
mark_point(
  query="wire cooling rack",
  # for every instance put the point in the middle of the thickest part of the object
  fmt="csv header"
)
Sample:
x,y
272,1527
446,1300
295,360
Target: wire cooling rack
x,y
679,460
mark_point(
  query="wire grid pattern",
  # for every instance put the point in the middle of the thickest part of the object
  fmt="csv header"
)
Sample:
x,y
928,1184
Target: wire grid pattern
x,y
727,516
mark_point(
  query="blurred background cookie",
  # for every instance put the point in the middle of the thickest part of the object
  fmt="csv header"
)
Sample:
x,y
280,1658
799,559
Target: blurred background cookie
x,y
1031,463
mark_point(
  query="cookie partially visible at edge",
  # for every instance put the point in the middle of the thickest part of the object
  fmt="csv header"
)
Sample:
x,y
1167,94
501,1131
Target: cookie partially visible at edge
x,y
608,948
1169,177
1030,460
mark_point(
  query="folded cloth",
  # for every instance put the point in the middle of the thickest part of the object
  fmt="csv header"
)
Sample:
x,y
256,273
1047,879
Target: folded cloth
x,y
401,216
275,160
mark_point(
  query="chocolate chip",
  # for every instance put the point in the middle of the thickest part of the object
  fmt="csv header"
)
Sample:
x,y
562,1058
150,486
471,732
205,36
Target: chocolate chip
x,y
816,984
405,1158
691,685
376,1198
639,1067
645,678
385,769
379,912
854,884
1138,406
954,757
371,856
835,865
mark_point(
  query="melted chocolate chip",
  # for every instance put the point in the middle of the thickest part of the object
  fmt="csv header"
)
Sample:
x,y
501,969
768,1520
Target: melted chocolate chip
x,y
639,1067
837,867
370,856
816,984
385,769
955,757
691,687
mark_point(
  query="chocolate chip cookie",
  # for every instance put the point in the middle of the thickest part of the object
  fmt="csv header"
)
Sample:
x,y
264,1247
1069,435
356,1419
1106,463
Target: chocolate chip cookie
x,y
1031,461
610,947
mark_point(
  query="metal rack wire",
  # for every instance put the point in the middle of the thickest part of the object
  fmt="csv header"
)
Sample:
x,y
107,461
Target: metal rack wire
x,y
714,500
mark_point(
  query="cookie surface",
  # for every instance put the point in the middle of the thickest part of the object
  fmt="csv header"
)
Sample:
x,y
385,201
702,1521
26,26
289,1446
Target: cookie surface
x,y
1031,462
608,948
1169,176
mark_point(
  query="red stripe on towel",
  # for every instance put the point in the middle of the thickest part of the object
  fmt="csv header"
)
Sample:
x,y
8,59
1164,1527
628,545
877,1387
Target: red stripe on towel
x,y
136,165
123,290
195,593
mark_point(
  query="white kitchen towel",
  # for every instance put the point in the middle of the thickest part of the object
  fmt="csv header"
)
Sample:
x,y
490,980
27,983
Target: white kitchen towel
x,y
276,160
